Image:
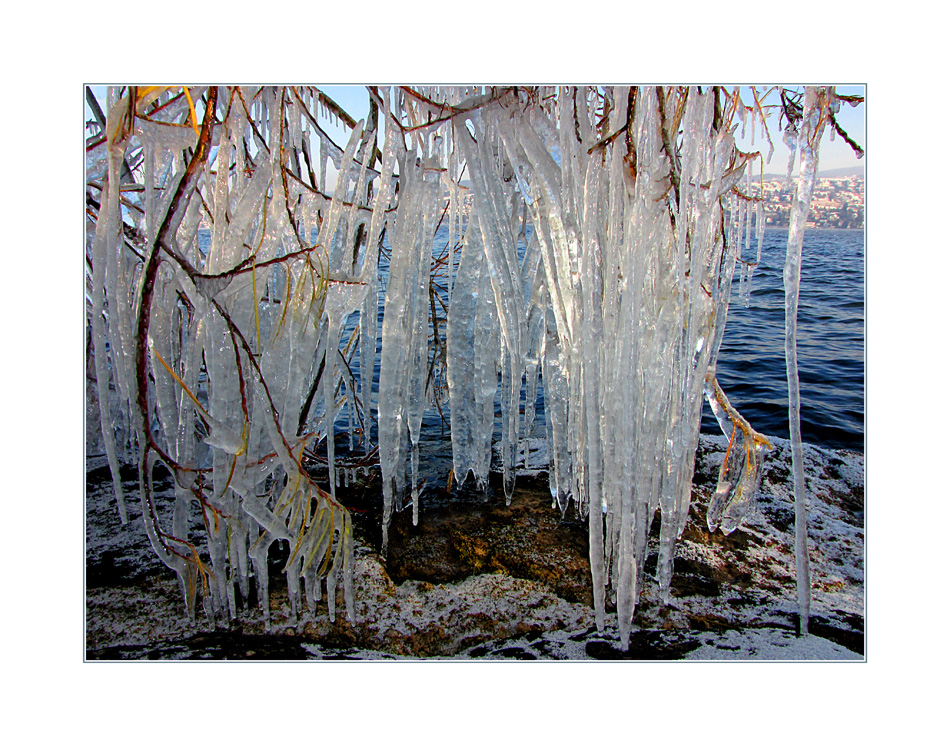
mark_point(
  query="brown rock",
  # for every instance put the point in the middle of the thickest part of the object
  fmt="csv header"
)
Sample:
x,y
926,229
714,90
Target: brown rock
x,y
527,539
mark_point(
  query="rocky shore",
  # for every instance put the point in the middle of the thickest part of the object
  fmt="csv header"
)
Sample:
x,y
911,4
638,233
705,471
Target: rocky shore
x,y
480,580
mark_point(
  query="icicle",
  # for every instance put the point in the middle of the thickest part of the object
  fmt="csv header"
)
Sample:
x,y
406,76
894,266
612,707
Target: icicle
x,y
472,359
810,139
369,314
402,368
493,190
792,139
104,249
556,398
349,598
414,460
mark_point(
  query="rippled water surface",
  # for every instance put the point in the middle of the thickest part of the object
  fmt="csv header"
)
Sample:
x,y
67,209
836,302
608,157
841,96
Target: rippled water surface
x,y
751,366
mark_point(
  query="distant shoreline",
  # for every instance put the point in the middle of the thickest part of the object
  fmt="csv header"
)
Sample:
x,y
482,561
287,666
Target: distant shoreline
x,y
834,173
784,229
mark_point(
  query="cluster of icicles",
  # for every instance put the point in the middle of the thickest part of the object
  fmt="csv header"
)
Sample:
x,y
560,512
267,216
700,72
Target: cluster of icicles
x,y
597,258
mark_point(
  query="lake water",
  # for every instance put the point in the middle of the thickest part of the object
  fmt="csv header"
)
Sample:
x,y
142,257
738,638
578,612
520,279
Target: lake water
x,y
831,316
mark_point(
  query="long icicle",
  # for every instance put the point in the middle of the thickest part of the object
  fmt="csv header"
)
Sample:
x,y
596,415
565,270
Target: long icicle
x,y
809,139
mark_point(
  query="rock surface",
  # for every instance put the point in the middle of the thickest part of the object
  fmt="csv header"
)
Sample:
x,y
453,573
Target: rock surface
x,y
479,579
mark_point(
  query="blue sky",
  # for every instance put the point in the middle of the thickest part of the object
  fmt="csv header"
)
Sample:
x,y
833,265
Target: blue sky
x,y
835,153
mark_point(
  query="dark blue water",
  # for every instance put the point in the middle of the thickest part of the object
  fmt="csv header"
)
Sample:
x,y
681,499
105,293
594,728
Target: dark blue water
x,y
751,365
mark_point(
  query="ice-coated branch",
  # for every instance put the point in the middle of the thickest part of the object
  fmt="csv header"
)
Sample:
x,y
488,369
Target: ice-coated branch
x,y
858,150
169,224
740,473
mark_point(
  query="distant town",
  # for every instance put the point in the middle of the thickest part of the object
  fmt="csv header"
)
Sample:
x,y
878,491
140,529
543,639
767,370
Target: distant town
x,y
837,202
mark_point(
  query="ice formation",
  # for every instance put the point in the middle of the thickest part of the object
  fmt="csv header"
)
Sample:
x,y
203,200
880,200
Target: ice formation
x,y
598,258
807,129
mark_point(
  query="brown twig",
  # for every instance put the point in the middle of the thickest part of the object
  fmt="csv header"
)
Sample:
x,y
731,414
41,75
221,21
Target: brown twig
x,y
186,186
858,150
668,143
455,110
630,158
